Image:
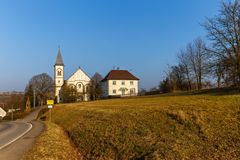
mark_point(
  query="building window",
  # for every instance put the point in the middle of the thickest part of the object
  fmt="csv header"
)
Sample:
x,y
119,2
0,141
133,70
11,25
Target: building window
x,y
58,81
79,86
131,82
114,83
123,82
114,91
86,88
59,73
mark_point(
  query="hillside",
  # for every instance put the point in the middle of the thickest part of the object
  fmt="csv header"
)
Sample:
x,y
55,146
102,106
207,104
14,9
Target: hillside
x,y
184,127
4,98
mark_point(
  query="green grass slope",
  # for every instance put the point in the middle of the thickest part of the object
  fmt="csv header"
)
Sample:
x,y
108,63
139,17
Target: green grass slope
x,y
158,127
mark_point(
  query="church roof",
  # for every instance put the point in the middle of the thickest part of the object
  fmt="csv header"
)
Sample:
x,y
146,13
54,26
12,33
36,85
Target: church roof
x,y
59,60
119,75
79,70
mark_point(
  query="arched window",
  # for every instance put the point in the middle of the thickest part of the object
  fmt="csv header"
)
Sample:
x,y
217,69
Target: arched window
x,y
79,86
59,73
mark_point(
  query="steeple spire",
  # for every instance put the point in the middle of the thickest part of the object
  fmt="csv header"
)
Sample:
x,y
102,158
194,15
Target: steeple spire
x,y
59,60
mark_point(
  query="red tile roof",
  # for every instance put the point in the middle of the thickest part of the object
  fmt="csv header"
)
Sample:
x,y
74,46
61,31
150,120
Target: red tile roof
x,y
119,75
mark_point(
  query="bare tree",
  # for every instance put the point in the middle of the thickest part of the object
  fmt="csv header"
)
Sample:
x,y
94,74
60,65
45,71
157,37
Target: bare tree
x,y
165,86
43,85
198,58
224,32
95,87
184,61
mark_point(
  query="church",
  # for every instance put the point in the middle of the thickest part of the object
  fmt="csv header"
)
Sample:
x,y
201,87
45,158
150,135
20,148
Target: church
x,y
79,80
117,83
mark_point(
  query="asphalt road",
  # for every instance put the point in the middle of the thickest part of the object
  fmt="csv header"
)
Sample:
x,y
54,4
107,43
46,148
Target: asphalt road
x,y
11,131
17,137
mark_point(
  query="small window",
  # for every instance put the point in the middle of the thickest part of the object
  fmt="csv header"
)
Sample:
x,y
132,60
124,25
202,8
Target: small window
x,y
131,82
79,86
123,82
114,83
114,91
59,73
87,89
59,81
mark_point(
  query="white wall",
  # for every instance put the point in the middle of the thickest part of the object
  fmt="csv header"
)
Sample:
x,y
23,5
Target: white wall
x,y
119,86
58,79
81,81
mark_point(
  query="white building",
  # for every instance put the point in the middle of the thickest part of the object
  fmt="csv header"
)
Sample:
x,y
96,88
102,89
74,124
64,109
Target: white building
x,y
79,80
120,83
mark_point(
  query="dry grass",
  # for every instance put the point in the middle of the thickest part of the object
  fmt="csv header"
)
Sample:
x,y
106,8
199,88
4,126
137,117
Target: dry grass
x,y
4,98
163,127
53,144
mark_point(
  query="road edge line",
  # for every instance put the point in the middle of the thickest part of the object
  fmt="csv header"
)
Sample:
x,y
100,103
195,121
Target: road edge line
x,y
18,137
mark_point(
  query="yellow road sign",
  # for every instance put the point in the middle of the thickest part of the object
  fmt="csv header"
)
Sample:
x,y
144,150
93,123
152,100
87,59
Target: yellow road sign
x,y
50,102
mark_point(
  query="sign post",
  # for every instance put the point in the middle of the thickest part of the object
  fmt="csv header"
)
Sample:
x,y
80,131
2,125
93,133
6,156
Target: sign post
x,y
50,104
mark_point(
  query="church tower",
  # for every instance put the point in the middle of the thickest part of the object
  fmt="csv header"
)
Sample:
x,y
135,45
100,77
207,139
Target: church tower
x,y
58,75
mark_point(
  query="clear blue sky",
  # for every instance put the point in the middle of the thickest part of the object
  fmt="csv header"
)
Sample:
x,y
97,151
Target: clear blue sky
x,y
139,35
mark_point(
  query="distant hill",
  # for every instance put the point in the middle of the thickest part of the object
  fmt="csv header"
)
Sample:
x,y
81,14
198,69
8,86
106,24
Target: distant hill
x,y
5,97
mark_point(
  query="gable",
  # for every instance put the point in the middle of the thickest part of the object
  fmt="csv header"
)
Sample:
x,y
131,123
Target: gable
x,y
79,75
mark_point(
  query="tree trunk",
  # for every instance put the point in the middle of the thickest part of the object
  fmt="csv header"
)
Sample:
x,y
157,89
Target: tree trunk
x,y
200,81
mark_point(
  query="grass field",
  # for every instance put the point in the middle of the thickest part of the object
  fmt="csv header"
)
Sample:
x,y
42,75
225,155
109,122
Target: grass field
x,y
202,126
4,98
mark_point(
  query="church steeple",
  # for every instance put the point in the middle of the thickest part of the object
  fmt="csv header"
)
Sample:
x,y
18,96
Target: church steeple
x,y
58,75
59,60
